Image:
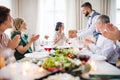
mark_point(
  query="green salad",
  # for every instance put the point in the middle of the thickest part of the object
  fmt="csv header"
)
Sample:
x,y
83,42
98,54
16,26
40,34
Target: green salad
x,y
58,61
65,52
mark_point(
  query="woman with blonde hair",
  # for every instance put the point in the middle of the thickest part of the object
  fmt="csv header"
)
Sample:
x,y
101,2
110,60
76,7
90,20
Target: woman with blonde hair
x,y
25,45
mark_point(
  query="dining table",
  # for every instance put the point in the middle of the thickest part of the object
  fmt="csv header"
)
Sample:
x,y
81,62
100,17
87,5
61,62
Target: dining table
x,y
104,69
25,69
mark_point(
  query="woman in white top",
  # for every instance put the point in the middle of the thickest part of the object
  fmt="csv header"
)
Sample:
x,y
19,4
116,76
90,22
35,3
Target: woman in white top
x,y
59,36
103,46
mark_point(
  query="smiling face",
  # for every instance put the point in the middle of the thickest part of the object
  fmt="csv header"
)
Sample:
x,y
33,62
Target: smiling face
x,y
6,20
100,26
85,11
61,28
19,25
101,22
23,26
7,24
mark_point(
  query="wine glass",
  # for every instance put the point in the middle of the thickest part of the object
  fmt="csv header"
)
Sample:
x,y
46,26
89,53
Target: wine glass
x,y
84,58
81,46
85,68
48,48
69,42
42,43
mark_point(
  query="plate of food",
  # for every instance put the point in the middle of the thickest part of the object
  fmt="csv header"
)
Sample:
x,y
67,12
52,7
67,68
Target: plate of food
x,y
37,55
59,63
65,52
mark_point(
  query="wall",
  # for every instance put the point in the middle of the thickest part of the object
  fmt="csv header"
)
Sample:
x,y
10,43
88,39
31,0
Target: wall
x,y
27,10
113,11
13,5
95,5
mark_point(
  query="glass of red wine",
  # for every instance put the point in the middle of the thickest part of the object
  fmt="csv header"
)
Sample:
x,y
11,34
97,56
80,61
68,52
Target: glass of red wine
x,y
48,48
84,58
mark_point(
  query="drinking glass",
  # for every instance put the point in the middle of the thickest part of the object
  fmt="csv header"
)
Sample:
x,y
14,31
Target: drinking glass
x,y
69,42
81,46
48,48
84,58
84,67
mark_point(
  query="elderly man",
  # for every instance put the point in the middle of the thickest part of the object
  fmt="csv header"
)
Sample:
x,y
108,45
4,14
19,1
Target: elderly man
x,y
103,46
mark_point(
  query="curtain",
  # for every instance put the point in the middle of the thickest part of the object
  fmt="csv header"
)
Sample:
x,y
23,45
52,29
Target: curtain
x,y
70,15
113,11
105,7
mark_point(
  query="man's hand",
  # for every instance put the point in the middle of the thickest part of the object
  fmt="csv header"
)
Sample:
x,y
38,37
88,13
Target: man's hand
x,y
111,32
87,42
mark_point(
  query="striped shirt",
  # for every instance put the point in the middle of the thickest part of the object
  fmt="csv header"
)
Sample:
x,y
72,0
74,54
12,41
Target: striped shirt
x,y
4,39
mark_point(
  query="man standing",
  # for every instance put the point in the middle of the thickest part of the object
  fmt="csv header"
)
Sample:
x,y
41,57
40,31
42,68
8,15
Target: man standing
x,y
92,15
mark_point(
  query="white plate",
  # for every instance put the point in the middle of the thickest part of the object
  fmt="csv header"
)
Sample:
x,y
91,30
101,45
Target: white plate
x,y
98,57
37,55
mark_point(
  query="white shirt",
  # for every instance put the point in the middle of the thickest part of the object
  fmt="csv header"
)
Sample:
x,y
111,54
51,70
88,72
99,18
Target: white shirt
x,y
105,47
88,30
61,41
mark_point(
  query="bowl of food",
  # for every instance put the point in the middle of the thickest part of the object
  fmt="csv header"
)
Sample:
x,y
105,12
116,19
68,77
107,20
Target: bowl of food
x,y
58,63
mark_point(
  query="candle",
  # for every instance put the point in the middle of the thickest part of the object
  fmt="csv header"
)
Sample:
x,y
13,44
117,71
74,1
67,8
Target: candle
x,y
93,65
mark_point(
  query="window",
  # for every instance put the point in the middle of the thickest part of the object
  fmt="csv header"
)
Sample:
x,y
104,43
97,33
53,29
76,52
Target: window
x,y
50,12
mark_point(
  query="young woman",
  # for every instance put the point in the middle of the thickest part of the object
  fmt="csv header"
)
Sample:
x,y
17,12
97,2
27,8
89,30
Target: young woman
x,y
25,45
59,36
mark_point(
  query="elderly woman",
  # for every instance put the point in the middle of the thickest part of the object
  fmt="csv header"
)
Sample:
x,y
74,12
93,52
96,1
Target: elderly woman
x,y
25,45
7,45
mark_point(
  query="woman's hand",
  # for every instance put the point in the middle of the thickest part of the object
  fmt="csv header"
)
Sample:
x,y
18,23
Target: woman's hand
x,y
14,42
34,38
23,49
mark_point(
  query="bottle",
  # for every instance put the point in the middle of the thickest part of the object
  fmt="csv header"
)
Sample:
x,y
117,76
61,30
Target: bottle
x,y
118,63
2,59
